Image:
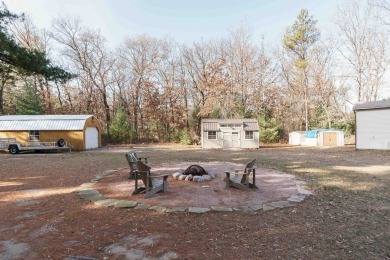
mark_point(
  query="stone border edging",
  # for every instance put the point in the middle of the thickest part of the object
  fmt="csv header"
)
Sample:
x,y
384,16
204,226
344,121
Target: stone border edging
x,y
87,192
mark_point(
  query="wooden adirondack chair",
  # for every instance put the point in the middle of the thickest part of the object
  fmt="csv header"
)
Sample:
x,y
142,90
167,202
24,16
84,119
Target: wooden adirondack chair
x,y
241,180
132,159
152,184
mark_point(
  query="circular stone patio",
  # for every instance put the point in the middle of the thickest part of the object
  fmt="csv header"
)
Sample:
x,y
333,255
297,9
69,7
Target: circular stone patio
x,y
276,190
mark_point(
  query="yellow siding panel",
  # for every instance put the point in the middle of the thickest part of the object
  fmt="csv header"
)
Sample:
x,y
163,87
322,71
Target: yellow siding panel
x,y
20,136
74,139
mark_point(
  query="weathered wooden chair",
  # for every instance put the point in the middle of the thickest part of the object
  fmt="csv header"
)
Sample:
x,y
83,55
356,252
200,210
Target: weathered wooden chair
x,y
240,180
152,184
132,159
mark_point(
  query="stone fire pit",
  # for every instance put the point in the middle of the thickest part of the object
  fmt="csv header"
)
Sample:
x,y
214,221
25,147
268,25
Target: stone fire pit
x,y
276,190
194,173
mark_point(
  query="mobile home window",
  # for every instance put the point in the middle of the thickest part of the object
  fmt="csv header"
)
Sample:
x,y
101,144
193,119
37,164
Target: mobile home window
x,y
249,135
34,135
212,135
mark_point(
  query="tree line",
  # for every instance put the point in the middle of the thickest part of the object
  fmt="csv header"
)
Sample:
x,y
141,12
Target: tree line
x,y
153,89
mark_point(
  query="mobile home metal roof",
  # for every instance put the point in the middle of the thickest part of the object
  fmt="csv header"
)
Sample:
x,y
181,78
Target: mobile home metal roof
x,y
372,105
214,124
42,122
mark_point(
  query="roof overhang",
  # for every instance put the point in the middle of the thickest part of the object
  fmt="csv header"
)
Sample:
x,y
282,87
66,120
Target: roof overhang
x,y
43,122
371,105
248,124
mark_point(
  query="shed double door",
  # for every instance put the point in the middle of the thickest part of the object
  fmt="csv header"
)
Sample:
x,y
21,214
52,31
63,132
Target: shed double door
x,y
330,139
231,140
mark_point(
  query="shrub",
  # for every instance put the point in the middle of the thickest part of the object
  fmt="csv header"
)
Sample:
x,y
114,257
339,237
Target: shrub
x,y
185,137
120,129
176,135
270,131
271,135
347,125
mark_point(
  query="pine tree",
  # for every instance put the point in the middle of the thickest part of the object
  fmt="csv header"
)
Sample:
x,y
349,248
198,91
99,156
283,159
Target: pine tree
x,y
29,102
15,59
119,129
298,40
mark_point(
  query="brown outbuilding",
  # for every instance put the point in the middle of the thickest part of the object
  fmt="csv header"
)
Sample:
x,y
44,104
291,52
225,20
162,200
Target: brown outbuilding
x,y
80,132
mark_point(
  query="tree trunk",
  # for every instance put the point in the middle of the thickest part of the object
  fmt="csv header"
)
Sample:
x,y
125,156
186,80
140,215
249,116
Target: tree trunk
x,y
1,98
306,86
136,106
59,94
107,110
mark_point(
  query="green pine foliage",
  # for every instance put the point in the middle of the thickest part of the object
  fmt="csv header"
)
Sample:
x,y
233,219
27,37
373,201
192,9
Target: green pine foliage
x,y
271,135
270,131
29,102
185,137
181,136
119,129
176,135
347,125
216,113
28,62
300,37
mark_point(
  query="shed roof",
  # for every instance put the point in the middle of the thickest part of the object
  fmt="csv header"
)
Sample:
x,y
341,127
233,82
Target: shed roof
x,y
314,133
249,124
42,122
372,105
298,132
210,126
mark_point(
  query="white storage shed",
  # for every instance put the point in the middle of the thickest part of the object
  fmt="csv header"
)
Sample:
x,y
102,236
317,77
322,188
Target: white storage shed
x,y
331,138
324,137
372,125
230,133
296,138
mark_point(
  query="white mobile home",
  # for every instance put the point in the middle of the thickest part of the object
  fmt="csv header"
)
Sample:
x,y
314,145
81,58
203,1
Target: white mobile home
x,y
230,133
372,125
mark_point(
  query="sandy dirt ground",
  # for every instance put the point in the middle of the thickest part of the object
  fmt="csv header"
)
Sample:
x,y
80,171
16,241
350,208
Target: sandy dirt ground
x,y
41,216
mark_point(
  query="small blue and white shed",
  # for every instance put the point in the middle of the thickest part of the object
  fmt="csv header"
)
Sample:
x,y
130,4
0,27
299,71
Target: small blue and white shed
x,y
324,137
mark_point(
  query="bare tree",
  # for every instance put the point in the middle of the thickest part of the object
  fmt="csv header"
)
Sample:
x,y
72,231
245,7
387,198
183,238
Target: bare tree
x,y
363,47
141,55
242,61
205,75
172,91
91,60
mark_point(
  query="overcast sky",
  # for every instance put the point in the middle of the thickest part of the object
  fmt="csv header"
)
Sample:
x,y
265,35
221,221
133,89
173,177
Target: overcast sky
x,y
184,20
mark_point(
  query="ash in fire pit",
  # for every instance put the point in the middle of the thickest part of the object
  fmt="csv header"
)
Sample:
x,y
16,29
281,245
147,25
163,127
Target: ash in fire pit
x,y
195,170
